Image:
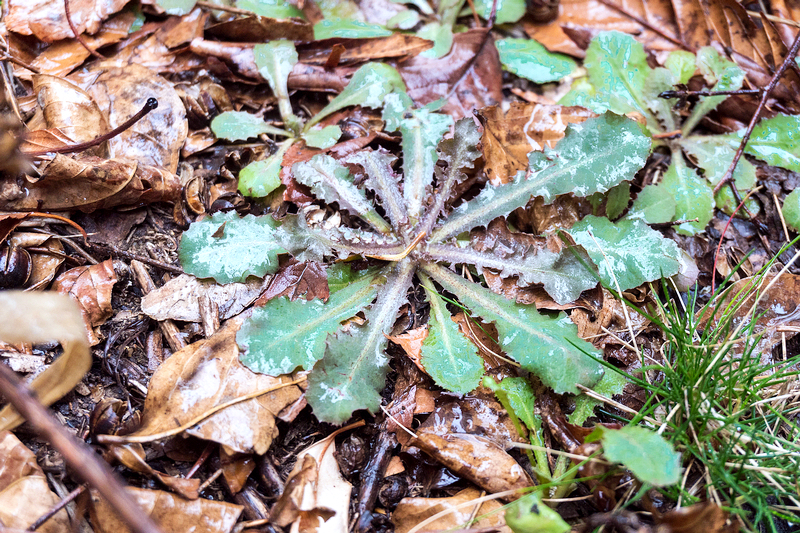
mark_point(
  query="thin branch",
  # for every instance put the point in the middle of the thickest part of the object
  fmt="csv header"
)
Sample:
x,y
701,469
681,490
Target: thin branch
x,y
56,508
8,57
151,104
108,248
86,464
78,35
728,177
684,94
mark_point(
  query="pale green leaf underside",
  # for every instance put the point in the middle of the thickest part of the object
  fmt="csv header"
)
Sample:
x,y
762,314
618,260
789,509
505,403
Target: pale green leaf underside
x,y
447,355
240,126
230,249
654,205
507,10
530,60
348,29
284,335
694,199
275,61
791,209
546,345
627,252
593,157
562,275
322,138
645,453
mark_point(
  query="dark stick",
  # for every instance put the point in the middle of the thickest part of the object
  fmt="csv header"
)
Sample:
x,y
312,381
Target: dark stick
x,y
56,508
684,94
8,57
151,104
77,454
382,447
78,36
728,177
649,26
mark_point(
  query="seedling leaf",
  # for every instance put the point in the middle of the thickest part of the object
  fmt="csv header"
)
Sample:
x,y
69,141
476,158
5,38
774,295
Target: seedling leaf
x,y
529,514
775,140
275,61
368,87
694,199
530,60
724,74
627,250
276,9
322,138
240,126
645,453
507,10
348,29
653,205
260,178
791,209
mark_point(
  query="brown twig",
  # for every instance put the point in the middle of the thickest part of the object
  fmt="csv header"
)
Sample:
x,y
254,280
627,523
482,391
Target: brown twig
x,y
56,508
78,35
722,236
151,104
77,454
649,26
684,94
728,177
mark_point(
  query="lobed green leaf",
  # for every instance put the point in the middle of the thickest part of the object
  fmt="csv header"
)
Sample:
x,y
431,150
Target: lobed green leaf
x,y
546,345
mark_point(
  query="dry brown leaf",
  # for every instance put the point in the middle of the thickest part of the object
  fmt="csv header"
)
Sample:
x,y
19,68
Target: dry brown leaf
x,y
90,286
579,20
411,341
479,415
38,317
509,137
68,109
356,51
24,493
62,57
47,20
296,279
477,459
132,456
208,373
469,77
173,513
179,298
317,497
412,511
704,516
89,183
121,92
236,468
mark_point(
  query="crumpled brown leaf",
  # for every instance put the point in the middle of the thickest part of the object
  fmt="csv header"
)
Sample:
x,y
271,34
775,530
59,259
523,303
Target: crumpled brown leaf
x,y
317,497
68,111
412,511
37,317
179,298
120,92
47,20
88,183
173,513
206,374
476,458
509,137
133,457
468,77
91,287
24,493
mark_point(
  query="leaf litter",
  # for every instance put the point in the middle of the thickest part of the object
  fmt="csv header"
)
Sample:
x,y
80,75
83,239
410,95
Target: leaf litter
x,y
359,185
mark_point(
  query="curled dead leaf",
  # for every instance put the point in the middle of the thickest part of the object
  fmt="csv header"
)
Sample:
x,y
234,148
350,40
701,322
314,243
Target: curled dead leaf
x,y
38,317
